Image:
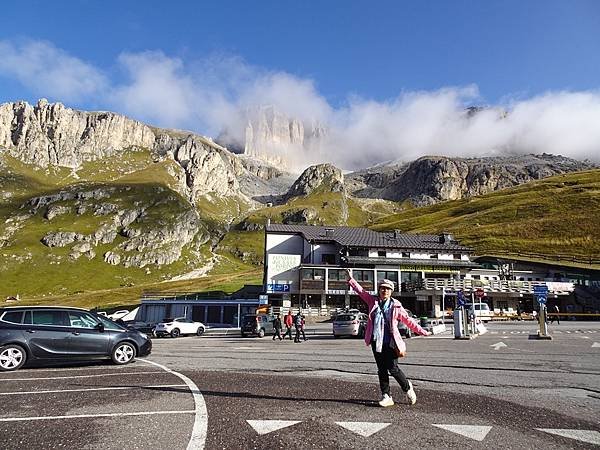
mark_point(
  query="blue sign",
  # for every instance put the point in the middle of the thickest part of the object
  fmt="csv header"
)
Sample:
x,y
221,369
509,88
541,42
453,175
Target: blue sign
x,y
540,289
278,287
460,297
541,299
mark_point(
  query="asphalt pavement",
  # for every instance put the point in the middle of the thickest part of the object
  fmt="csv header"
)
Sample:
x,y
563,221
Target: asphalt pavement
x,y
500,390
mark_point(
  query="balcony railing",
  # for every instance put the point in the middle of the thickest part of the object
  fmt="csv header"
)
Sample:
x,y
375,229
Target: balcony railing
x,y
491,285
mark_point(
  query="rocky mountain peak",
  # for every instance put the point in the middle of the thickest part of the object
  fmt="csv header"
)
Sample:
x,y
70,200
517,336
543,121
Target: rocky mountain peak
x,y
324,177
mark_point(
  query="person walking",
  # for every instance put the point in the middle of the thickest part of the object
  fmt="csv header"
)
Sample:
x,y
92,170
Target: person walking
x,y
277,327
288,321
556,310
302,328
384,338
298,325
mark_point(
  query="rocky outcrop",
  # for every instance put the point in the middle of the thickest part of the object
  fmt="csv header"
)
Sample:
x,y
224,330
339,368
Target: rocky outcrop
x,y
433,179
274,137
51,134
322,177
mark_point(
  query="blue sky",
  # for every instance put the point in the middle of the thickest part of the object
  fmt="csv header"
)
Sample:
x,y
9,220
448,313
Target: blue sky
x,y
329,59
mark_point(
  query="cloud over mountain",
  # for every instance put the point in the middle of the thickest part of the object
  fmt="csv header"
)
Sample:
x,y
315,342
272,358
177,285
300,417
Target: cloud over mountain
x,y
213,94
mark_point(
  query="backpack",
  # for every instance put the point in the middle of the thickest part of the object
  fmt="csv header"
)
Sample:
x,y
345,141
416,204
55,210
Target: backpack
x,y
298,320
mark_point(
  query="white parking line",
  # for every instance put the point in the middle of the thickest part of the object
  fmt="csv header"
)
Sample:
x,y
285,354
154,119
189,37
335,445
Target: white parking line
x,y
199,432
84,416
79,376
119,388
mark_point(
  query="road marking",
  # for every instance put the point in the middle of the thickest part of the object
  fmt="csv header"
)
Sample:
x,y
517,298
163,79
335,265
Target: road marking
x,y
596,344
364,429
199,431
119,388
476,432
85,416
79,376
268,426
589,436
498,345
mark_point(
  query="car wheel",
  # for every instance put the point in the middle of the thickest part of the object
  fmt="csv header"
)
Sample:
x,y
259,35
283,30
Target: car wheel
x,y
123,353
200,331
261,333
12,357
361,333
244,335
175,332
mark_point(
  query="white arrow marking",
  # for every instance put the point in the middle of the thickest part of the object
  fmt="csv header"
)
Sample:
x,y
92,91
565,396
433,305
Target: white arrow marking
x,y
596,344
268,426
476,432
365,429
498,345
589,436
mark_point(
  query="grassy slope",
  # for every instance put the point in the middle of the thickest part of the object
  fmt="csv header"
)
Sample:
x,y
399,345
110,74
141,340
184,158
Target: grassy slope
x,y
554,216
41,274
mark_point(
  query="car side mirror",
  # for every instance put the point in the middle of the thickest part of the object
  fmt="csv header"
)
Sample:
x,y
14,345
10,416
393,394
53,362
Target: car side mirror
x,y
100,327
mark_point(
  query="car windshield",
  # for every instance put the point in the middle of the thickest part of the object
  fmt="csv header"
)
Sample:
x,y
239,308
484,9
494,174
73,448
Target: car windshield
x,y
345,318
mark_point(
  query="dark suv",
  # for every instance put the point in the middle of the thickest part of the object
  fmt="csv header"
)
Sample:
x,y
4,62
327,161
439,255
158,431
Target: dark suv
x,y
257,325
47,334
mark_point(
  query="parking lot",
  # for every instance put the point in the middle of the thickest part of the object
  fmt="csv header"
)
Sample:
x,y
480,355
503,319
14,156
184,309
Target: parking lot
x,y
96,405
232,392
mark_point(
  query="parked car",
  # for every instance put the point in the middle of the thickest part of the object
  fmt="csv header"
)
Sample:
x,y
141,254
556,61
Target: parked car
x,y
482,311
179,326
118,314
144,327
404,330
350,324
257,325
45,334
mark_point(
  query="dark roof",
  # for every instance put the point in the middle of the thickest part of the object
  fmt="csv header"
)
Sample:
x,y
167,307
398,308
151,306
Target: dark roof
x,y
364,237
454,263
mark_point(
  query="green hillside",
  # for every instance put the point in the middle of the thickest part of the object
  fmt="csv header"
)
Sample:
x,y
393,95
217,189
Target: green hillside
x,y
547,219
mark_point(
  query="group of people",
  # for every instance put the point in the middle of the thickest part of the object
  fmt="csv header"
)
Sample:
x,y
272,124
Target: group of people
x,y
298,322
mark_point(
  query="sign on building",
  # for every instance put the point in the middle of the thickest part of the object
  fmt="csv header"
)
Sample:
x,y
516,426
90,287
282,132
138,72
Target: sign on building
x,y
282,272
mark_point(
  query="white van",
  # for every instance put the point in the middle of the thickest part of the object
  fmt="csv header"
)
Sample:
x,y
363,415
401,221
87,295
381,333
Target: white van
x,y
482,311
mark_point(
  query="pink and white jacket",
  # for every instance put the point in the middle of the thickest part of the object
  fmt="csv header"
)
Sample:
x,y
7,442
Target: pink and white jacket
x,y
399,314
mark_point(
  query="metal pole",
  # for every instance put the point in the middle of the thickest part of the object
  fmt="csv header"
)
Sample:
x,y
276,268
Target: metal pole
x,y
443,303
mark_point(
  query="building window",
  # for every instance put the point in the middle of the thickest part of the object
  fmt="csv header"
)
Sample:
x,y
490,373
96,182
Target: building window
x,y
386,274
358,252
313,274
433,256
405,254
328,258
381,253
457,256
336,275
363,275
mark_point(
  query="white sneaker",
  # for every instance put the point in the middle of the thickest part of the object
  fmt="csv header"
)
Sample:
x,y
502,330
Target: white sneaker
x,y
411,397
386,401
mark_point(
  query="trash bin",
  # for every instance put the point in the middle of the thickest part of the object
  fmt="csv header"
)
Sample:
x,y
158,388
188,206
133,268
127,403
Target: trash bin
x,y
424,321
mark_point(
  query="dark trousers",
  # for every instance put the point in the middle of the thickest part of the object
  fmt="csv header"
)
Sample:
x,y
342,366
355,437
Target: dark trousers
x,y
298,331
277,333
288,332
387,364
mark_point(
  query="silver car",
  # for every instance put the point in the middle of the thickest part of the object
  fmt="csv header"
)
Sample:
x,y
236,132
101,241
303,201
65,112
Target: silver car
x,y
350,324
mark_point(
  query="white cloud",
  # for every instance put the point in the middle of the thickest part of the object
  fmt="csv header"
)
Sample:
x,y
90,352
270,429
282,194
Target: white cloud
x,y
49,71
209,95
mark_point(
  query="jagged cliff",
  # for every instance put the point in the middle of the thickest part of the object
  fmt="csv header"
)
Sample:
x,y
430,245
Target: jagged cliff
x,y
432,179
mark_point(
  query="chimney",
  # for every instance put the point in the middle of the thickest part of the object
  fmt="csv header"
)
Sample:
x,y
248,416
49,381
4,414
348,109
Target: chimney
x,y
397,234
268,221
446,238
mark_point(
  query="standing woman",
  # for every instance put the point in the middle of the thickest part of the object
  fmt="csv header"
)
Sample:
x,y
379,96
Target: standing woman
x,y
382,334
